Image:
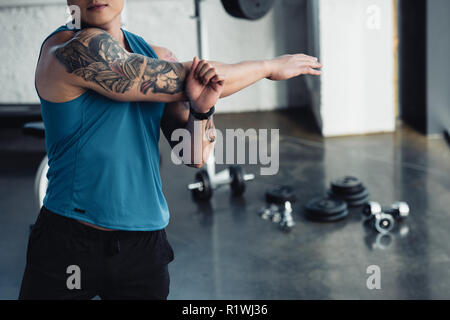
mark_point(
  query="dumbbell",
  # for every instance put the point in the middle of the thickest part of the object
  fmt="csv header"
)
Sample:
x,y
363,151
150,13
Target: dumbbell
x,y
287,221
202,188
279,209
377,219
398,210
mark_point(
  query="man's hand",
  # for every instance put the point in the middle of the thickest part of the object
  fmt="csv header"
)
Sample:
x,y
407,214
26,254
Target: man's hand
x,y
290,66
202,94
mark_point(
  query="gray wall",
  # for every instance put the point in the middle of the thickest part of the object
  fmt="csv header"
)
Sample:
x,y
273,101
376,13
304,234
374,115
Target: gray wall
x,y
166,23
425,65
438,61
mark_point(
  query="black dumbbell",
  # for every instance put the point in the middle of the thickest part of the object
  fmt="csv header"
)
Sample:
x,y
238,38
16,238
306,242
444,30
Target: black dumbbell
x,y
279,206
203,187
377,219
399,210
370,208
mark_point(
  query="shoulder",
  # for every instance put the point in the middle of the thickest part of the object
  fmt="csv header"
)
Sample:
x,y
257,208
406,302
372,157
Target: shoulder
x,y
64,37
164,53
51,77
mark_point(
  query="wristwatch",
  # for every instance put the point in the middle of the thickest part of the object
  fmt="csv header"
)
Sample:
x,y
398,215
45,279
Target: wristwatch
x,y
202,116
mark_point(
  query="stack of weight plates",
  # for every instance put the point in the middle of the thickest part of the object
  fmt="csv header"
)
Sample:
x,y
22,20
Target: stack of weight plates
x,y
280,195
349,189
326,210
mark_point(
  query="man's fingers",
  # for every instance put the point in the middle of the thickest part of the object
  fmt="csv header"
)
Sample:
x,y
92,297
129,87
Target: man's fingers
x,y
217,86
209,75
313,72
199,66
304,56
315,65
310,62
193,67
218,78
205,69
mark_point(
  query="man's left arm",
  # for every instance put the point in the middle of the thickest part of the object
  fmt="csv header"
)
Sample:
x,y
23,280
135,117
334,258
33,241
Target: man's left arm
x,y
238,76
177,116
243,74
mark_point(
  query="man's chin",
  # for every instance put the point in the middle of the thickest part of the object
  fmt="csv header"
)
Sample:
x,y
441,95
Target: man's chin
x,y
96,23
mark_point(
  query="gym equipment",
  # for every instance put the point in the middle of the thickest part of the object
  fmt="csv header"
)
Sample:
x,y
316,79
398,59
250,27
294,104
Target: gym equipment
x,y
248,9
279,209
382,222
280,195
271,213
399,210
371,208
326,210
349,189
377,218
202,188
347,185
237,177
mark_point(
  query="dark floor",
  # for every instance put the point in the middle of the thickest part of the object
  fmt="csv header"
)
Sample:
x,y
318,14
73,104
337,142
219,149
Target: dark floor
x,y
225,251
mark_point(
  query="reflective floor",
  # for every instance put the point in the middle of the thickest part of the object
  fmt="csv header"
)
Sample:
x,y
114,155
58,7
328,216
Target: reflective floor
x,y
224,250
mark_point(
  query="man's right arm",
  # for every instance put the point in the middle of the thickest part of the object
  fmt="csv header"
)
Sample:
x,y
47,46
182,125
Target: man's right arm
x,y
94,60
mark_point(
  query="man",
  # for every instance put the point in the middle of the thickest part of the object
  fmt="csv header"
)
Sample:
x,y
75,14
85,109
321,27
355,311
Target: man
x,y
105,93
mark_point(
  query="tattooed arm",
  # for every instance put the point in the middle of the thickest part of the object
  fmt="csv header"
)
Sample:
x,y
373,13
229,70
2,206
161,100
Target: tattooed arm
x,y
93,59
176,116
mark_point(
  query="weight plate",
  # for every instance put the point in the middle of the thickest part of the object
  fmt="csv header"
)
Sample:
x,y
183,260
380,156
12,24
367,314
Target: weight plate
x,y
237,182
320,218
364,193
347,185
248,9
383,223
280,194
205,193
358,203
326,206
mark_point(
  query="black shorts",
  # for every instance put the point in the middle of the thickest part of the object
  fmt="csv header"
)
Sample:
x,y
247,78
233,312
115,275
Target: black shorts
x,y
69,260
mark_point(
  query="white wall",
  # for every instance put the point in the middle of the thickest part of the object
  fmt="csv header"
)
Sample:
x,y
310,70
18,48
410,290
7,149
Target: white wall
x,y
22,30
165,23
356,48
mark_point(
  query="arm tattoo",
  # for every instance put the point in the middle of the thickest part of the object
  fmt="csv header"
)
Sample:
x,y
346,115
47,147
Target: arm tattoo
x,y
162,77
210,130
97,57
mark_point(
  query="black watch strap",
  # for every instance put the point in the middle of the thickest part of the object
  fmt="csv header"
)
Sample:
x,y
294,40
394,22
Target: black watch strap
x,y
202,116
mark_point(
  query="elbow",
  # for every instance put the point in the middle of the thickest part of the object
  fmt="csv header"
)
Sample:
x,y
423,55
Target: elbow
x,y
197,163
196,166
194,163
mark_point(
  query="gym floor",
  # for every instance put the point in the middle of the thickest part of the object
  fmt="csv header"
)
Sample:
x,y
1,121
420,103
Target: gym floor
x,y
224,250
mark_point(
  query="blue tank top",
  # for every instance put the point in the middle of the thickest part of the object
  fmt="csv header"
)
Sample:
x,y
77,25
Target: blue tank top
x,y
104,158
